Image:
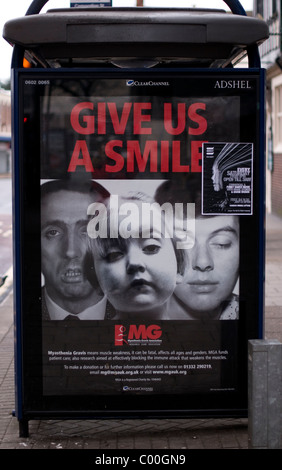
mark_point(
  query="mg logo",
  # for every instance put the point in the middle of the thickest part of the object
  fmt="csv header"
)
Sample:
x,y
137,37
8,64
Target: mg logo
x,y
141,332
120,331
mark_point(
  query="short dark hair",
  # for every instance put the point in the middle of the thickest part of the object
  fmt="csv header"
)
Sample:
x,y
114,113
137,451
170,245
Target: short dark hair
x,y
181,190
83,187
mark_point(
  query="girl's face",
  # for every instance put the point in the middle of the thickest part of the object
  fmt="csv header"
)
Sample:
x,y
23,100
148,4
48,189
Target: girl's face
x,y
137,274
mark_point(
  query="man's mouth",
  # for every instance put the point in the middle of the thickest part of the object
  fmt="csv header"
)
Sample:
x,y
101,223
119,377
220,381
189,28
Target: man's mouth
x,y
72,275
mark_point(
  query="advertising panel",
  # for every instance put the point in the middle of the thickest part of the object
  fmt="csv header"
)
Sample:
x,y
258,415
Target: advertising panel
x,y
139,260
96,3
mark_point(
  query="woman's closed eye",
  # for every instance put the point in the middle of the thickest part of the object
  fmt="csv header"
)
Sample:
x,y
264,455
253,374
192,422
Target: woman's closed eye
x,y
221,243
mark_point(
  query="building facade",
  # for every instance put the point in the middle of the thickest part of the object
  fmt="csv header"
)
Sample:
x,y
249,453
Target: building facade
x,y
5,132
271,60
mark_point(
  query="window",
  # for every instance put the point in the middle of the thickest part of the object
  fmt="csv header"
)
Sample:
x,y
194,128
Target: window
x,y
266,8
277,113
260,7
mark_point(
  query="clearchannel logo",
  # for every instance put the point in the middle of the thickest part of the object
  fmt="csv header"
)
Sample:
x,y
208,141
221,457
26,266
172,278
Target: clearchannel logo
x,y
137,389
148,83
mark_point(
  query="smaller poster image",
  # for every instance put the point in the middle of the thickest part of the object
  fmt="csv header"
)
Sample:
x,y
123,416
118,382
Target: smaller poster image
x,y
227,178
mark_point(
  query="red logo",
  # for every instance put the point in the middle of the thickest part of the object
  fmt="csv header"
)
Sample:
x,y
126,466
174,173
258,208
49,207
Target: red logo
x,y
119,335
141,332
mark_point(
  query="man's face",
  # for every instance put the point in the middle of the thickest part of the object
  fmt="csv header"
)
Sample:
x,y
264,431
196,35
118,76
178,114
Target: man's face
x,y
64,244
212,264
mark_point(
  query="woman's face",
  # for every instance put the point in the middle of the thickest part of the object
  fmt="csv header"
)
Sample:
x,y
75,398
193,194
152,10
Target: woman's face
x,y
138,273
212,264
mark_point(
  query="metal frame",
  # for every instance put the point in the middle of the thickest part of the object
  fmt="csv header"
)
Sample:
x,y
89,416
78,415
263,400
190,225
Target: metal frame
x,y
234,5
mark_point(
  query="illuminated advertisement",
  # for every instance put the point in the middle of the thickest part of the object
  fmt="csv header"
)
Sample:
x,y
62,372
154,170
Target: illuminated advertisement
x,y
142,287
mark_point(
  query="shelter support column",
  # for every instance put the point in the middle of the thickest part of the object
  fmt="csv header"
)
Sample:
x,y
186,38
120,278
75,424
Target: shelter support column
x,y
265,394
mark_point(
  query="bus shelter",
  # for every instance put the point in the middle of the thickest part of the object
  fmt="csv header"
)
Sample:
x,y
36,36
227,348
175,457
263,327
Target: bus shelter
x,y
138,184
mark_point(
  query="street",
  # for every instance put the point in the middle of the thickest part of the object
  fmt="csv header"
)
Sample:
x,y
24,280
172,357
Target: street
x,y
6,243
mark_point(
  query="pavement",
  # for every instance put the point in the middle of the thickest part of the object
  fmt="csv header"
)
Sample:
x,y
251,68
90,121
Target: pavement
x,y
163,435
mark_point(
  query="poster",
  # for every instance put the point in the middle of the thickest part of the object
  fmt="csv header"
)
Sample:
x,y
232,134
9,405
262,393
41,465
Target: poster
x,y
142,280
227,178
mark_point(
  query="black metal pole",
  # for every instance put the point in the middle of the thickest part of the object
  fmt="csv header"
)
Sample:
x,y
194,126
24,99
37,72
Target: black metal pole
x,y
253,52
236,7
36,6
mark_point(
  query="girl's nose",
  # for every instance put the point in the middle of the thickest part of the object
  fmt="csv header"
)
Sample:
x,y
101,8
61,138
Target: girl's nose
x,y
135,260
